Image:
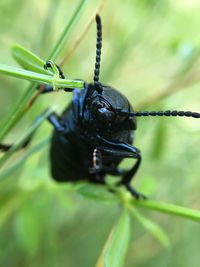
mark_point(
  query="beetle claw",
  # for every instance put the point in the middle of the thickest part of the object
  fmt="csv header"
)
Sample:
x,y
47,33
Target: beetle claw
x,y
137,195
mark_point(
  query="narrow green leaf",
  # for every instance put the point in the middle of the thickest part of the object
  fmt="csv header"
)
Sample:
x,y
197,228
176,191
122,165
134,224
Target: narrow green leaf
x,y
9,207
152,227
118,245
159,139
40,78
12,168
68,29
96,192
28,230
28,60
24,138
17,112
171,209
47,28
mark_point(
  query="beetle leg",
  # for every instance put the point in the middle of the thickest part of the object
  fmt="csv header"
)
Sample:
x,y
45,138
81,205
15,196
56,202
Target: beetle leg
x,y
127,176
53,118
97,169
97,159
49,89
45,89
6,147
98,165
115,149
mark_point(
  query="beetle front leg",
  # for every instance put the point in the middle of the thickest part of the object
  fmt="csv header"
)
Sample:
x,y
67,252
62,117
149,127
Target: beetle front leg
x,y
116,149
47,88
6,147
53,118
97,169
128,176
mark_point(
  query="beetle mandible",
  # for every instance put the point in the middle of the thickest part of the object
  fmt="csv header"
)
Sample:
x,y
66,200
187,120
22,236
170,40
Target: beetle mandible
x,y
96,131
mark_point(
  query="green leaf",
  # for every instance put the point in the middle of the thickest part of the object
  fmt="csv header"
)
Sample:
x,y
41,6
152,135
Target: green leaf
x,y
40,78
167,208
152,227
28,60
96,192
9,207
159,139
28,229
118,244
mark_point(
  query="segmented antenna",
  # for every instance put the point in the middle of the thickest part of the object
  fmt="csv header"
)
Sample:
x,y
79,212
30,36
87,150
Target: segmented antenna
x,y
98,52
166,113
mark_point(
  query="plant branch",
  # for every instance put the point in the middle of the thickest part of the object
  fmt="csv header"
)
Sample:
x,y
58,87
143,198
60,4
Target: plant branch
x,y
40,78
168,208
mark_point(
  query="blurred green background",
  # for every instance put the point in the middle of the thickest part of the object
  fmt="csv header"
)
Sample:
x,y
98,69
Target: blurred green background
x,y
151,53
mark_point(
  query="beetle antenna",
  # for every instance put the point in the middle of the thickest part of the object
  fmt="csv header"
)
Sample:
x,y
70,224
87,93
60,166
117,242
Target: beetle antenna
x,y
98,54
166,113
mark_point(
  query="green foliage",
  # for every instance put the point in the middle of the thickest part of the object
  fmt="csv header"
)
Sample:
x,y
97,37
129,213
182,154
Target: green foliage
x,y
149,54
27,60
117,246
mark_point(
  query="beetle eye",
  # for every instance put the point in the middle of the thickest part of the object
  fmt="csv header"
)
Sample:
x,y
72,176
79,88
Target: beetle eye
x,y
104,114
101,112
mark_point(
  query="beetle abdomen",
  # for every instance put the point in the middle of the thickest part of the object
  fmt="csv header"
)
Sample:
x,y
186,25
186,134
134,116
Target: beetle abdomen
x,y
66,160
70,155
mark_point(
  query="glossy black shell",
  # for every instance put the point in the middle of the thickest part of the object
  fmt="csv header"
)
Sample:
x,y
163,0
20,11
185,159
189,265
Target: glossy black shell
x,y
71,152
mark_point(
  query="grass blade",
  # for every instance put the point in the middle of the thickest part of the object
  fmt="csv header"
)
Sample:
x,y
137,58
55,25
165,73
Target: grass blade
x,y
151,227
171,209
118,244
96,192
40,78
62,40
17,112
28,60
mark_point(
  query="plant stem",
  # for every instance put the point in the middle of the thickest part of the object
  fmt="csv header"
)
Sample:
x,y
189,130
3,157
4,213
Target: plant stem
x,y
61,41
169,209
40,78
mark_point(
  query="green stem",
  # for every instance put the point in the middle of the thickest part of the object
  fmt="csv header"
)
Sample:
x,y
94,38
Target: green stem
x,y
17,112
61,41
169,209
40,78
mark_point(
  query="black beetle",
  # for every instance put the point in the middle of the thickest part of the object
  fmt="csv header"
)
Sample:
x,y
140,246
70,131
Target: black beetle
x,y
95,132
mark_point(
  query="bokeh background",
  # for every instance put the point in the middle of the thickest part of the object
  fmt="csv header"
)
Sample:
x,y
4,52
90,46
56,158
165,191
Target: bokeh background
x,y
151,53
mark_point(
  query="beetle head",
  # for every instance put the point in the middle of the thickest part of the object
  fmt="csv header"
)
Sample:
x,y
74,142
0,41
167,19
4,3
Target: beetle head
x,y
103,109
